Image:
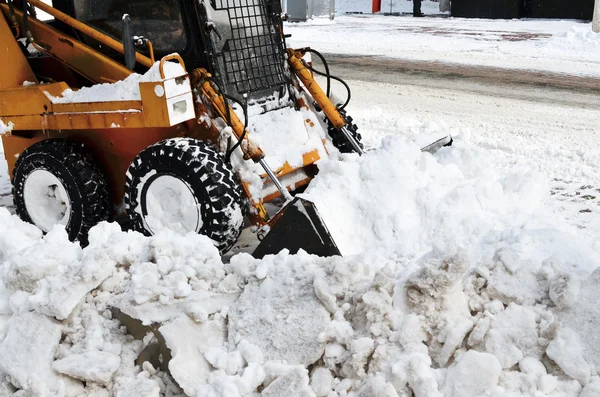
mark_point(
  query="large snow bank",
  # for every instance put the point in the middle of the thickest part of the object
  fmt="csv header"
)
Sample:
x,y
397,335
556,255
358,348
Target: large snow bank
x,y
459,287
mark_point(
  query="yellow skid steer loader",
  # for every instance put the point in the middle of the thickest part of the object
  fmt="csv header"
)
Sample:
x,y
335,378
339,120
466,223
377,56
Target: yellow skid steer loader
x,y
226,121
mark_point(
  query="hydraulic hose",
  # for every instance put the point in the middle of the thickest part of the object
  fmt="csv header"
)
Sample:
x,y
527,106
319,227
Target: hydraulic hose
x,y
244,107
326,66
329,76
227,99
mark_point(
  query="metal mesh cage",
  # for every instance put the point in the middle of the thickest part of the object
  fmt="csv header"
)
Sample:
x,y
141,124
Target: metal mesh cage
x,y
251,59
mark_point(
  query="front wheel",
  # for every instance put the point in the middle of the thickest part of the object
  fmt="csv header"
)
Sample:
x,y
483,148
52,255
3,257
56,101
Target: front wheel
x,y
185,186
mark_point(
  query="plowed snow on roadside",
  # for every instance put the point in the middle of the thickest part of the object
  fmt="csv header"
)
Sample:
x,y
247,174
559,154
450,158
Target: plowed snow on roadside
x,y
463,275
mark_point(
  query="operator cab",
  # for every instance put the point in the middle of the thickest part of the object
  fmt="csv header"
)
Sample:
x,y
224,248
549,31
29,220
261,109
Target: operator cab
x,y
163,22
237,41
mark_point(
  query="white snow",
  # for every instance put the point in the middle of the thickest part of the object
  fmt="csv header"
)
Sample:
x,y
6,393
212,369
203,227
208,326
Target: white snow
x,y
467,272
125,90
92,366
188,343
27,352
567,353
473,374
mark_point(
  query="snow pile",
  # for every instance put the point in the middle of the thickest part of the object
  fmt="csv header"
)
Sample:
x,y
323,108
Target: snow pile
x,y
124,90
489,297
579,39
581,34
399,201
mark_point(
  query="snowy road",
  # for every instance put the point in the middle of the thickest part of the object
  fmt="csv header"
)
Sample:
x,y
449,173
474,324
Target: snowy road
x,y
555,46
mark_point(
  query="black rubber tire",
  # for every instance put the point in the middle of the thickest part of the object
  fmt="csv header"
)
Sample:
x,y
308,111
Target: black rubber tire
x,y
74,165
339,139
209,177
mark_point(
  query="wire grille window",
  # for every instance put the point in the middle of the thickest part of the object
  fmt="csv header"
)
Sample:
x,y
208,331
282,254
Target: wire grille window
x,y
252,59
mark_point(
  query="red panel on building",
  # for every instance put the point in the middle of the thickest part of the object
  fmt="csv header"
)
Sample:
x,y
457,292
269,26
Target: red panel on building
x,y
376,6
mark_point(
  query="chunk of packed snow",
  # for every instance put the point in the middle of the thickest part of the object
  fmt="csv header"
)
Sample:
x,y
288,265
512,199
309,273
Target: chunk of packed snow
x,y
289,321
474,374
592,389
27,352
140,386
321,381
584,319
92,366
292,384
564,289
566,351
199,305
75,274
188,342
513,335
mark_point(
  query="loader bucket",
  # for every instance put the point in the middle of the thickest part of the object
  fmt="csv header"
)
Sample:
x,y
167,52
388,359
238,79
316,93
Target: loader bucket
x,y
299,227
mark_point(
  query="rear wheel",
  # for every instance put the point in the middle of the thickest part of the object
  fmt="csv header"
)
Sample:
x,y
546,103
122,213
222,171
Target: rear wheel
x,y
184,185
58,182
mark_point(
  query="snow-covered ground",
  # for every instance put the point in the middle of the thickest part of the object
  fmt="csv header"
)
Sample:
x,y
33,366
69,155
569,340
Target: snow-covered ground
x,y
471,272
568,47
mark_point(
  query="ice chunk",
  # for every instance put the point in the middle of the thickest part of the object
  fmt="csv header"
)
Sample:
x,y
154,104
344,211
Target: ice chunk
x,y
59,294
321,381
584,318
592,389
474,374
41,260
513,335
565,351
141,386
27,352
188,341
157,312
564,289
377,386
292,384
530,365
93,366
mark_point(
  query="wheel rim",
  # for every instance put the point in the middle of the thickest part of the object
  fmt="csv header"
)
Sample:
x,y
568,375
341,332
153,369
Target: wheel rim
x,y
169,203
46,200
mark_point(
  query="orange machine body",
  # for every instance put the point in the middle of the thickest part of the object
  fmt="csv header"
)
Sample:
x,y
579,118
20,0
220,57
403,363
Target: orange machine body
x,y
117,130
